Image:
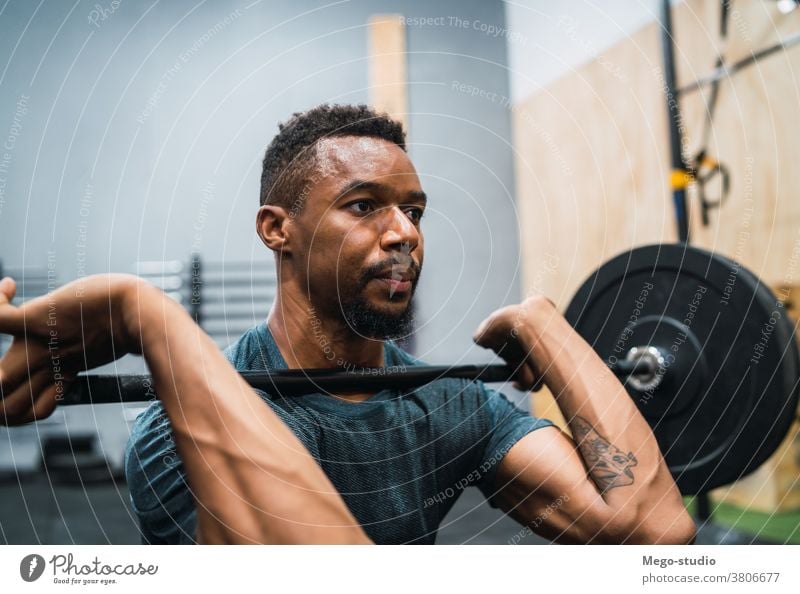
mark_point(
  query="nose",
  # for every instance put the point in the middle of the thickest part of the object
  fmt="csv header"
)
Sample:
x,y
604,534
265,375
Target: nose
x,y
399,232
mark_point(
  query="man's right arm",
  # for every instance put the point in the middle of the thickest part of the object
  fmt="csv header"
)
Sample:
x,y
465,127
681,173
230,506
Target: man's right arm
x,y
253,480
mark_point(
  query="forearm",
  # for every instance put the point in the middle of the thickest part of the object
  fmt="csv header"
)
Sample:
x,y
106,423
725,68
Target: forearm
x,y
253,479
617,446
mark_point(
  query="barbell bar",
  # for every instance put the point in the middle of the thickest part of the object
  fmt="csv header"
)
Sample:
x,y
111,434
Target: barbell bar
x,y
107,389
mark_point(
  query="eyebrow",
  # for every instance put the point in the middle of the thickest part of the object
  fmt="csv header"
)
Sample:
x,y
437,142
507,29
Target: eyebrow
x,y
359,184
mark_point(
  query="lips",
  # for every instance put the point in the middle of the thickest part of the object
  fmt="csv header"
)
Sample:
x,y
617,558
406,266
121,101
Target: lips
x,y
398,280
395,285
405,275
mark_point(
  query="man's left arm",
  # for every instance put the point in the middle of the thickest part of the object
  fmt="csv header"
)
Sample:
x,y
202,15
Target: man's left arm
x,y
609,482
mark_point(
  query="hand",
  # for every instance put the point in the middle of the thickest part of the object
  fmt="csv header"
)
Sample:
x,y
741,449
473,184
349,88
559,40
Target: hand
x,y
74,328
507,332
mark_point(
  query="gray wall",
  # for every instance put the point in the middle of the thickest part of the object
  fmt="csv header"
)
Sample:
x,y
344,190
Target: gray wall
x,y
148,161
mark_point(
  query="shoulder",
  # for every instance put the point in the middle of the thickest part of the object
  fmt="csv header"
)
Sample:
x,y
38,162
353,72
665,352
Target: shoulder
x,y
467,394
148,426
473,394
439,391
159,492
248,351
396,356
152,465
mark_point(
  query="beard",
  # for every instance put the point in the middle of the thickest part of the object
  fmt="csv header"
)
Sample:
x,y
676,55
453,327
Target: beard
x,y
368,321
371,322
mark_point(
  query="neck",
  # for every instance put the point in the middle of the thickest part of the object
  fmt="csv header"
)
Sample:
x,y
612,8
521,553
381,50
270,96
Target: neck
x,y
309,338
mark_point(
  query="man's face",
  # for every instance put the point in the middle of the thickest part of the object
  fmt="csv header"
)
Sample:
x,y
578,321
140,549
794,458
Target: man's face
x,y
360,244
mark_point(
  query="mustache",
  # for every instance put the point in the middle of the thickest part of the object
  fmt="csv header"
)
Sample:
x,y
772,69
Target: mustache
x,y
401,261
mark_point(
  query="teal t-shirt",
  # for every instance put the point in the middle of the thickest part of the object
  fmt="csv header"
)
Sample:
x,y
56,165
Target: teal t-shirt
x,y
399,459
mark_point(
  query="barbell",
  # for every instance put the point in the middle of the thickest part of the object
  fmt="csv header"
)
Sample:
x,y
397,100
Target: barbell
x,y
705,350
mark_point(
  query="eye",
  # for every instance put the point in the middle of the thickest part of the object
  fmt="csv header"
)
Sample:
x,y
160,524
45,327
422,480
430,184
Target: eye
x,y
360,206
415,214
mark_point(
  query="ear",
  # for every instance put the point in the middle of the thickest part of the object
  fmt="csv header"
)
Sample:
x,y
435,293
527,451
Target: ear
x,y
272,226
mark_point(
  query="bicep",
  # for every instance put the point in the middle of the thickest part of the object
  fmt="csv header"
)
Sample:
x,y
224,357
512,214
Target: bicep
x,y
542,483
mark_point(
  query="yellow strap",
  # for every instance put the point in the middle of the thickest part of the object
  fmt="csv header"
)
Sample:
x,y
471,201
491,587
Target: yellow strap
x,y
680,179
709,163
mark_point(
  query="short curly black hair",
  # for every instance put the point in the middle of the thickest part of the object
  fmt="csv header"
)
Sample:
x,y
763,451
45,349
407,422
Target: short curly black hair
x,y
290,158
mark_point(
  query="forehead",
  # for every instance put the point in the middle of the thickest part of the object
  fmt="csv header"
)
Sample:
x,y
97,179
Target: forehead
x,y
363,157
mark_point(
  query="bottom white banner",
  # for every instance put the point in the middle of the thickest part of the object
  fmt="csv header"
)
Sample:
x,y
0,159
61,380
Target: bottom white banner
x,y
389,569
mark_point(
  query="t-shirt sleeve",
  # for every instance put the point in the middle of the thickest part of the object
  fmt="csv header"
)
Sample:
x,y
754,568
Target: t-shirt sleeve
x,y
156,477
507,425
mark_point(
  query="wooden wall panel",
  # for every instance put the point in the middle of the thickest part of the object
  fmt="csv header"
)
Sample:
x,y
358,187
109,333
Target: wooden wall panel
x,y
387,66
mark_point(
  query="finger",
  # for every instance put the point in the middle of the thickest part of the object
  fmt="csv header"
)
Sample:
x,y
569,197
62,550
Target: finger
x,y
526,372
46,402
478,335
11,321
8,288
22,361
17,407
538,377
492,331
524,378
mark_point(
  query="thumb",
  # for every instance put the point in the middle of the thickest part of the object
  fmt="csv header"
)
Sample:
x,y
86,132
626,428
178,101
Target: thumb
x,y
9,315
487,333
8,288
479,332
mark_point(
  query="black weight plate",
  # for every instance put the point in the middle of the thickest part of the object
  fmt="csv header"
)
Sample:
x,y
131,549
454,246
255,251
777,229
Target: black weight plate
x,y
729,389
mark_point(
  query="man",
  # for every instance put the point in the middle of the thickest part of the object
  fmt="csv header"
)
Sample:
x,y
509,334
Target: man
x,y
341,206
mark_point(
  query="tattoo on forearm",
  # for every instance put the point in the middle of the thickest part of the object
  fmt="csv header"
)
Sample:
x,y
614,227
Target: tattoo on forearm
x,y
608,465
